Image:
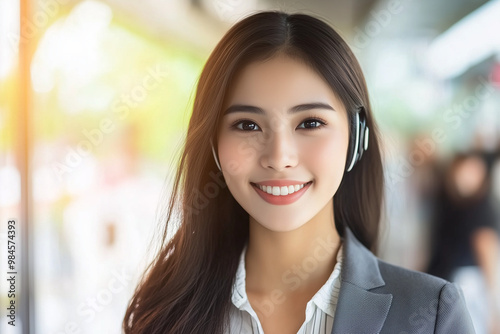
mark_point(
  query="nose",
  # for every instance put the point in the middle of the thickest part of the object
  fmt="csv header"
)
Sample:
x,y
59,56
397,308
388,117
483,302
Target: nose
x,y
280,151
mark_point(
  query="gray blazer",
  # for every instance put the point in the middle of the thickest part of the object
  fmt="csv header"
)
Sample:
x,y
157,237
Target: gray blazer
x,y
377,297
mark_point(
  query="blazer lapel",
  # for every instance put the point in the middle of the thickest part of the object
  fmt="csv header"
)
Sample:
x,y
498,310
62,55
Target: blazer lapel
x,y
359,310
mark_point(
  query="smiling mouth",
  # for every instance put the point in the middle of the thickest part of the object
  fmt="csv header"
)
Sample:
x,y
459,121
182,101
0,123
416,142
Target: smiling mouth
x,y
281,191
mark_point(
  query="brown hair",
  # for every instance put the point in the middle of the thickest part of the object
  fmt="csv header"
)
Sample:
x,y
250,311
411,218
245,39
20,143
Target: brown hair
x,y
187,288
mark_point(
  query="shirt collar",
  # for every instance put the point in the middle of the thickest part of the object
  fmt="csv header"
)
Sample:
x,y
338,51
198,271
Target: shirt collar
x,y
325,298
239,295
327,295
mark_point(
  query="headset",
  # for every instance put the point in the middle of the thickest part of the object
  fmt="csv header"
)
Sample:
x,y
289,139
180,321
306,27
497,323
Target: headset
x,y
359,137
215,155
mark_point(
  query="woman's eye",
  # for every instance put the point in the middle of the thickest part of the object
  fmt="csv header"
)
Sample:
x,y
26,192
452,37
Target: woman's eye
x,y
311,124
246,126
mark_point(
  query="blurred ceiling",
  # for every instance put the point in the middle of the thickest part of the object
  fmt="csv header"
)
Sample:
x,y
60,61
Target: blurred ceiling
x,y
429,17
203,22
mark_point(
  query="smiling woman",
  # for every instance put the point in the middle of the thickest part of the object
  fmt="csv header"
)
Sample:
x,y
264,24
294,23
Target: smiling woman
x,y
285,244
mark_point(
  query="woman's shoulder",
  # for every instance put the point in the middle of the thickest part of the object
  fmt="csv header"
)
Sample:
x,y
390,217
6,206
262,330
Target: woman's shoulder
x,y
422,301
366,270
394,299
410,286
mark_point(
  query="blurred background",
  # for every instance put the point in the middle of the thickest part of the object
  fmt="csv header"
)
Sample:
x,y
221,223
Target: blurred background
x,y
95,98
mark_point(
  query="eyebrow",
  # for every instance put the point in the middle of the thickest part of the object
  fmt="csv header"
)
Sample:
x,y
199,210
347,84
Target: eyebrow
x,y
295,109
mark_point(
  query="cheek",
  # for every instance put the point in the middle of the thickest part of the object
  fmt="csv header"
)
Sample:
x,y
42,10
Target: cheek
x,y
328,156
235,154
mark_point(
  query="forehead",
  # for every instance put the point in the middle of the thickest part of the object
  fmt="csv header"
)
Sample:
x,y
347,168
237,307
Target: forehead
x,y
280,82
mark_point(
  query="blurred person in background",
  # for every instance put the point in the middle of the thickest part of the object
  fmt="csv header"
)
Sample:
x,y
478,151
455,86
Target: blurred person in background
x,y
465,245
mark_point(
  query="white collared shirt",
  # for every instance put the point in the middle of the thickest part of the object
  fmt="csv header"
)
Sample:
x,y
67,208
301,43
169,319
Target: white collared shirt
x,y
320,310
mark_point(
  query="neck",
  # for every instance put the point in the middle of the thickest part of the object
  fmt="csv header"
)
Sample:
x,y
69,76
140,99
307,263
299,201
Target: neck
x,y
294,261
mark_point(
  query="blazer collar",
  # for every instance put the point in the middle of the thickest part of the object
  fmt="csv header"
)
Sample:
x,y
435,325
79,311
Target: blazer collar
x,y
358,309
360,265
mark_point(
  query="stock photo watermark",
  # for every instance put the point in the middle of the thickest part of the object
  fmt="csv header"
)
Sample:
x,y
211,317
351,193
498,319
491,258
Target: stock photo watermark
x,y
226,9
92,306
294,277
249,148
210,191
379,20
120,109
423,320
46,11
452,117
11,272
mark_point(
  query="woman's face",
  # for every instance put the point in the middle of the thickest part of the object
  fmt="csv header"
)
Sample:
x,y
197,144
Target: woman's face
x,y
285,131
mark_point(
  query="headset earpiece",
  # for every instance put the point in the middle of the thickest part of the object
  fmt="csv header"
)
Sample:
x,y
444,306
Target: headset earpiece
x,y
360,134
215,155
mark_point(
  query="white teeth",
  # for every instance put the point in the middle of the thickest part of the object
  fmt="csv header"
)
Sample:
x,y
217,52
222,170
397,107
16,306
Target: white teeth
x,y
284,190
281,191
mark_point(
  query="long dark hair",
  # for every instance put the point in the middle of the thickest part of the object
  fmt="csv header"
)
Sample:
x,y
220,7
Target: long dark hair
x,y
187,288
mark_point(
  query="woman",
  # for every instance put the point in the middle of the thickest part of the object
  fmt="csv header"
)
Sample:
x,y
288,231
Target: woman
x,y
466,247
278,216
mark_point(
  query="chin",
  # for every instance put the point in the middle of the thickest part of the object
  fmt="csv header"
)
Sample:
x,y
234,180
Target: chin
x,y
284,227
